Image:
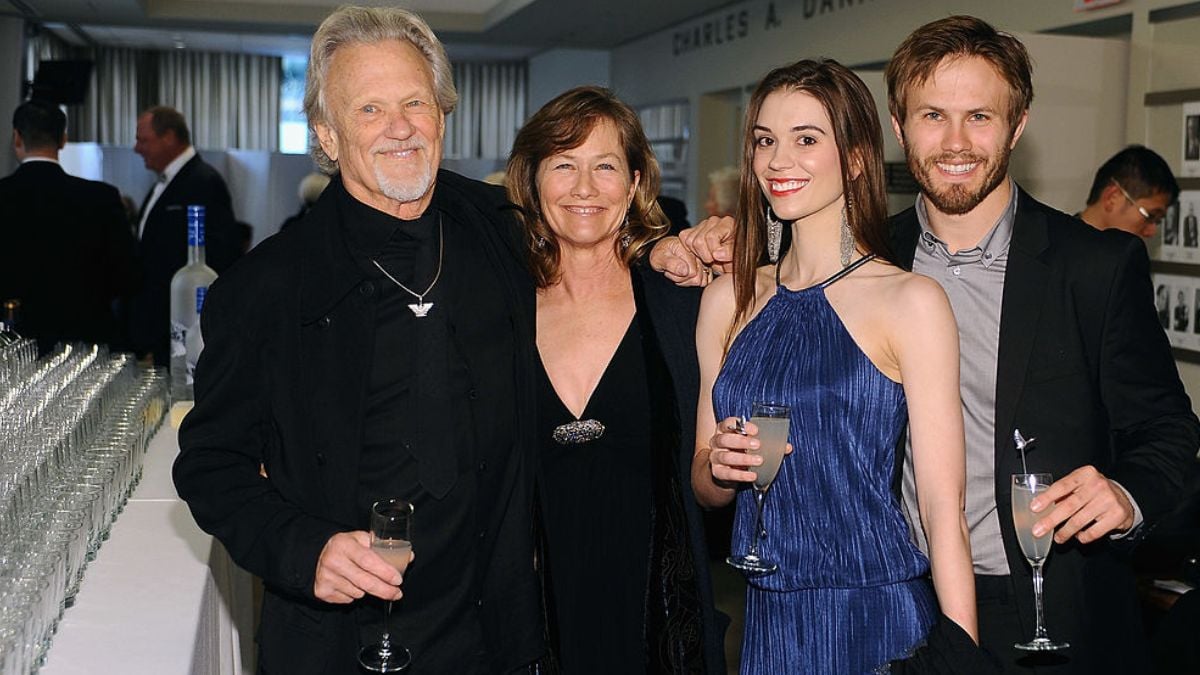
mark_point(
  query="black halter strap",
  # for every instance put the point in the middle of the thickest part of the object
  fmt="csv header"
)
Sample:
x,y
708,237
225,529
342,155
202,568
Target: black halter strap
x,y
837,275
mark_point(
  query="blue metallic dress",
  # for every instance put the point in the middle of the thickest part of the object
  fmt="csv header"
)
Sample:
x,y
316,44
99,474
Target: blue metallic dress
x,y
851,591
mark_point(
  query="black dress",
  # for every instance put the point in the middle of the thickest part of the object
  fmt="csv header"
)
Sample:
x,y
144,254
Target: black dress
x,y
622,586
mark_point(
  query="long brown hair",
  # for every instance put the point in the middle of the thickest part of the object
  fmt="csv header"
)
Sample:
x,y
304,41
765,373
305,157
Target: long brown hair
x,y
565,123
859,140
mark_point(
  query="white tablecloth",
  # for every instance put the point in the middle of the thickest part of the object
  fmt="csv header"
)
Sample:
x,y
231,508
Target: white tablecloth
x,y
162,597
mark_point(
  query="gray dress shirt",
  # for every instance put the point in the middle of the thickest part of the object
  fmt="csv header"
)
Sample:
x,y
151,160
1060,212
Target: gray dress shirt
x,y
974,281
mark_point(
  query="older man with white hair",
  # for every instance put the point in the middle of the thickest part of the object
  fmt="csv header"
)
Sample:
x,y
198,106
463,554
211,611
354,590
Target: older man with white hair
x,y
380,348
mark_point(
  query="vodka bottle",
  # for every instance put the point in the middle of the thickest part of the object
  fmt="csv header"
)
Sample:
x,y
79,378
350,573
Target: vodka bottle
x,y
188,288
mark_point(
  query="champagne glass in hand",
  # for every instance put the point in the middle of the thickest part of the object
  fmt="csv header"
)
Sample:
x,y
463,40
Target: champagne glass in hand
x,y
772,422
1025,487
391,523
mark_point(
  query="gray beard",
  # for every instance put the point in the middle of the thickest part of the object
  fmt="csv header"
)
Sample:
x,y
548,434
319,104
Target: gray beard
x,y
410,191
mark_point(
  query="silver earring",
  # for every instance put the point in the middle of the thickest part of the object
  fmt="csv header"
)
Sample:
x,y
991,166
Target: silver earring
x,y
774,236
847,239
626,239
540,243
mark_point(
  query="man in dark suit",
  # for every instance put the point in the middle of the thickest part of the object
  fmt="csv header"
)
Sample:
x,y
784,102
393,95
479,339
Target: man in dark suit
x,y
1132,191
382,347
184,179
67,251
1060,340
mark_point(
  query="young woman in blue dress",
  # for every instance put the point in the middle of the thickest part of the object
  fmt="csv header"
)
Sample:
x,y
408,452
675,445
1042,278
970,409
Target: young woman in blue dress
x,y
861,351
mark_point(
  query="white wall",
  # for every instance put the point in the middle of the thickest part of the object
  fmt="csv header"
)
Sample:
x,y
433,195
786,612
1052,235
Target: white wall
x,y
557,70
758,35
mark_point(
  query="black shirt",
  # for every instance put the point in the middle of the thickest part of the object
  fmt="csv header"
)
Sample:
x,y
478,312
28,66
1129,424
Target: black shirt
x,y
439,414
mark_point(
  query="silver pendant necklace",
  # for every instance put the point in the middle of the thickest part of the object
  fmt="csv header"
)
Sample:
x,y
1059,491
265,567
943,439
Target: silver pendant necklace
x,y
420,308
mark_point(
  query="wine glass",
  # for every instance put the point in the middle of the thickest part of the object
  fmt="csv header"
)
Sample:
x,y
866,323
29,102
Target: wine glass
x,y
772,422
1024,488
391,523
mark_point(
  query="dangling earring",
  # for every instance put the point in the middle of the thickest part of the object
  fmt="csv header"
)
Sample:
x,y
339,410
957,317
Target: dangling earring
x,y
626,238
847,239
540,243
774,236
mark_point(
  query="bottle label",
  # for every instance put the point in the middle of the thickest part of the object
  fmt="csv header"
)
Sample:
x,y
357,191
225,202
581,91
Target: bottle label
x,y
201,293
195,221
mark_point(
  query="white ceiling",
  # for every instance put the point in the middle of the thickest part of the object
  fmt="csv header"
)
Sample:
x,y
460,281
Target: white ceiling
x,y
471,29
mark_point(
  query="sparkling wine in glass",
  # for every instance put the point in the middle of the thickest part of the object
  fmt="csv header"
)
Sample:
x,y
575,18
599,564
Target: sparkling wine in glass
x,y
772,421
391,538
1025,487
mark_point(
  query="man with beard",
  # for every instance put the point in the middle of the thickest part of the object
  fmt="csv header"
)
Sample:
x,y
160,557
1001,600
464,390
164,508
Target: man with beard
x,y
1059,339
382,347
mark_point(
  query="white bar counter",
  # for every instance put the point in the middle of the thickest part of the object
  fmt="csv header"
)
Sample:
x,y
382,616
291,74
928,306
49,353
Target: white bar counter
x,y
162,597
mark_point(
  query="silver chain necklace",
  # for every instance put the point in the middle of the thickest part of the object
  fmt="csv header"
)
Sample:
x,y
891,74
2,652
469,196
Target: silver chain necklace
x,y
420,308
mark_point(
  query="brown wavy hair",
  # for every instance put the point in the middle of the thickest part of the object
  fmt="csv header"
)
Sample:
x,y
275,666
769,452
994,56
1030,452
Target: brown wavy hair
x,y
918,57
859,140
565,123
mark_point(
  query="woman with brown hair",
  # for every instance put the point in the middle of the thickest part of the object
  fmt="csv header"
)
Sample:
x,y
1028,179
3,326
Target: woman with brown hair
x,y
625,558
855,347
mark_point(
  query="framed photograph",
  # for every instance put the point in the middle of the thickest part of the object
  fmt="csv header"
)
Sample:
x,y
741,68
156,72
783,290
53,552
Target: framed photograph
x,y
1179,237
1177,300
1191,139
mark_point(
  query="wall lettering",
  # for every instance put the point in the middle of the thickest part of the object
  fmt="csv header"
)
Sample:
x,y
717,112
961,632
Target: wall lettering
x,y
735,25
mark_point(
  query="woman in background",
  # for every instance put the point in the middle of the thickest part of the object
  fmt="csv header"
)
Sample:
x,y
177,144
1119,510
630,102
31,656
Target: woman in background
x,y
858,349
626,567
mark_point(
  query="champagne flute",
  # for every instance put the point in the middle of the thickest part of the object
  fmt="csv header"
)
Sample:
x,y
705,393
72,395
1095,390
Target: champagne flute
x,y
772,422
391,523
1024,488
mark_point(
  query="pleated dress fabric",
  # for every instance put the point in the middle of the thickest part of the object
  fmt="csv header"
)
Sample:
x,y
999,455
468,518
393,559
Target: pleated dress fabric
x,y
851,591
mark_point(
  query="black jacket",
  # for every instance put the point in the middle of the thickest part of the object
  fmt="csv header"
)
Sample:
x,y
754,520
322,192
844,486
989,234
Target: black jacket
x,y
163,249
1084,365
66,252
672,313
282,381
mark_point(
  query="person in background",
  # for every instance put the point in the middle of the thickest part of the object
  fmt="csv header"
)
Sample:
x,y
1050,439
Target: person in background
x,y
66,252
722,192
675,211
184,179
309,190
626,563
856,347
1131,192
380,348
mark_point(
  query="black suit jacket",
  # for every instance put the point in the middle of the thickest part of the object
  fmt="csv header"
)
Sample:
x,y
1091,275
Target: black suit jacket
x,y
67,253
282,382
162,250
1084,366
672,314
